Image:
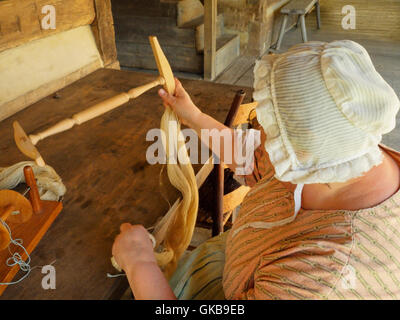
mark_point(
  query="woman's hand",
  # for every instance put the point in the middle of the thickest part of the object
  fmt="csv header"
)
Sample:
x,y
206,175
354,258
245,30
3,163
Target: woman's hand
x,y
192,117
133,251
132,247
181,103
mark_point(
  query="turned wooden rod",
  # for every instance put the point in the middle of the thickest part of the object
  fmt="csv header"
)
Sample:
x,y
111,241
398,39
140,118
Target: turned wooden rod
x,y
218,214
95,111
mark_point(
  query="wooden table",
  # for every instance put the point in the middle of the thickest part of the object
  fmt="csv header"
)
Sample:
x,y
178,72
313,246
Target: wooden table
x,y
103,165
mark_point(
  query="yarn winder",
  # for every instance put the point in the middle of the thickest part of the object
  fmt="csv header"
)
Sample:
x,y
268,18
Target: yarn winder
x,y
27,220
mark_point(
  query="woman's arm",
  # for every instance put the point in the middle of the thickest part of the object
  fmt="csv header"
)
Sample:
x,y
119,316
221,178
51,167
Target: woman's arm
x,y
148,282
133,252
190,115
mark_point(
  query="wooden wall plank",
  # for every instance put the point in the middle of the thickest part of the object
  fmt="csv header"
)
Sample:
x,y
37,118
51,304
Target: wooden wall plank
x,y
48,65
20,20
140,55
138,30
147,8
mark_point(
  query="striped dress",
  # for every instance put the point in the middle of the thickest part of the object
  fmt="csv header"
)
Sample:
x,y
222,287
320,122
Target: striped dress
x,y
322,254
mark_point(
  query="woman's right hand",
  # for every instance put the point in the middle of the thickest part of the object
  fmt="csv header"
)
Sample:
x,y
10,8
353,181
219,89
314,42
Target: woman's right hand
x,y
132,247
181,103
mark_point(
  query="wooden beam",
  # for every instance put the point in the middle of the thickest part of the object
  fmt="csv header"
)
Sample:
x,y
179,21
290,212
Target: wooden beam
x,y
210,38
103,31
20,21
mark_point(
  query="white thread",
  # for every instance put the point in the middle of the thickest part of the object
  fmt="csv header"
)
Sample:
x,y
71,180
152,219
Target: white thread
x,y
109,275
16,257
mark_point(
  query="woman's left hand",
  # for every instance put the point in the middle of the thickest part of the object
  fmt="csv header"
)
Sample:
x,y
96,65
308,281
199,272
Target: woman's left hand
x,y
132,247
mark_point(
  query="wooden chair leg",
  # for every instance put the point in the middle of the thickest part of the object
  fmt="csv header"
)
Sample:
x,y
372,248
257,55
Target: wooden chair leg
x,y
303,27
298,21
318,10
218,217
218,214
282,31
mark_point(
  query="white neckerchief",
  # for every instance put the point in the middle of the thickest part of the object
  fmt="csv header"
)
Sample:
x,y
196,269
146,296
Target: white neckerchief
x,y
268,225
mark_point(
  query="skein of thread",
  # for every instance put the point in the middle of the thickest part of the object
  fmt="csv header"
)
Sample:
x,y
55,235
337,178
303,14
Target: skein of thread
x,y
182,177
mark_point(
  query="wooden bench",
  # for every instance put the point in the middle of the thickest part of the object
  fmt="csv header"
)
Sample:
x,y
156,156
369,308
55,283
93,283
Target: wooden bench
x,y
300,8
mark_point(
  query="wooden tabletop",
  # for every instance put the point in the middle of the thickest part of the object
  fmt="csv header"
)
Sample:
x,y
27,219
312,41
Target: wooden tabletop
x,y
103,165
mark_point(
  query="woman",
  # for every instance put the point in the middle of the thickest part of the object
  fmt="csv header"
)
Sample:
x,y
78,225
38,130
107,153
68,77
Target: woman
x,y
322,220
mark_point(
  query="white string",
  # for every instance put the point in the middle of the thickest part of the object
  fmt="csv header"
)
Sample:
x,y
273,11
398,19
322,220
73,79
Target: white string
x,y
109,275
16,258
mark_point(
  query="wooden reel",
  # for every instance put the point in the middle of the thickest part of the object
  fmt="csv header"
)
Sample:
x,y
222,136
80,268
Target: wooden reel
x,y
14,208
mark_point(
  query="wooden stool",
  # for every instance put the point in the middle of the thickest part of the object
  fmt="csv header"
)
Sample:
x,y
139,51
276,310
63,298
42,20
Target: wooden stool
x,y
301,8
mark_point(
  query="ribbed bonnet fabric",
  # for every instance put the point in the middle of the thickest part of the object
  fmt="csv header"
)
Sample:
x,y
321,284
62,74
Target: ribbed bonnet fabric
x,y
324,109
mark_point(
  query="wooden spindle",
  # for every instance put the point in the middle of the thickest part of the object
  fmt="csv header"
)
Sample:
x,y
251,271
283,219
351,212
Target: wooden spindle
x,y
33,192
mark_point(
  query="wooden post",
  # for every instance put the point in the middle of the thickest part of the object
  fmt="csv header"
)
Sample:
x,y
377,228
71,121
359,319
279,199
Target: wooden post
x,y
218,214
210,38
103,31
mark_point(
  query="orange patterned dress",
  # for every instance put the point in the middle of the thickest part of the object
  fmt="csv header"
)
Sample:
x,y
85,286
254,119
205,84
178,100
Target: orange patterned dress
x,y
322,254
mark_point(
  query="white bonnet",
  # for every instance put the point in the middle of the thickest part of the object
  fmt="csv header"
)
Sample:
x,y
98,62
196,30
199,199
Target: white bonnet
x,y
324,109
